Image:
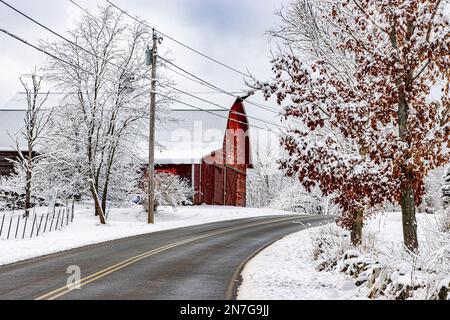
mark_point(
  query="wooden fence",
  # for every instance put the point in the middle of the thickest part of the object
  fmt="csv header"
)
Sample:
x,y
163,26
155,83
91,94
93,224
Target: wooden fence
x,y
16,226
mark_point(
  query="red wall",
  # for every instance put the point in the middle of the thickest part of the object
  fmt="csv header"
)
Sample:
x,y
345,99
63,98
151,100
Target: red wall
x,y
221,179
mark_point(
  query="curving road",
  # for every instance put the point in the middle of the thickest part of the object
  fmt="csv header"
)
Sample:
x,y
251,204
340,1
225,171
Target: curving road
x,y
193,263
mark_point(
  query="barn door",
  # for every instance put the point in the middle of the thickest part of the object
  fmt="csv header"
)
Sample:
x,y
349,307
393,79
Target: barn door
x,y
231,185
218,186
207,185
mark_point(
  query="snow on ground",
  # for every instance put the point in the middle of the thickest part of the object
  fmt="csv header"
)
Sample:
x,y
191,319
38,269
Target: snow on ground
x,y
286,269
122,222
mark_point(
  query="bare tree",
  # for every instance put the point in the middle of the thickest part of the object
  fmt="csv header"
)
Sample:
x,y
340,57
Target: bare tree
x,y
34,129
264,181
105,108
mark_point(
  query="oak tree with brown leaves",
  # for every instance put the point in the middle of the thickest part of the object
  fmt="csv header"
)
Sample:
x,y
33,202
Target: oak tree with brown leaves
x,y
370,134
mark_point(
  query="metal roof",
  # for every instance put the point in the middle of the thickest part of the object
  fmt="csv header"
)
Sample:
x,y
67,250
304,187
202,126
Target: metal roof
x,y
12,116
11,124
190,135
186,138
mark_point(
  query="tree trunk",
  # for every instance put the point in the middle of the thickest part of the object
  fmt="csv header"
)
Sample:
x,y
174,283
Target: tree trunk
x,y
29,176
98,208
107,178
356,233
95,183
28,194
408,202
105,194
409,219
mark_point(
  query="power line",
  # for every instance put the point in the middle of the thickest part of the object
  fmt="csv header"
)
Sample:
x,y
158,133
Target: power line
x,y
43,51
178,42
64,38
116,65
185,72
208,111
190,76
143,22
198,80
214,92
217,105
88,72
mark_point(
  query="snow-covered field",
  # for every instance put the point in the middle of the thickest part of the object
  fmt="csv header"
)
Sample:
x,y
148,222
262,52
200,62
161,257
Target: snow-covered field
x,y
122,222
287,270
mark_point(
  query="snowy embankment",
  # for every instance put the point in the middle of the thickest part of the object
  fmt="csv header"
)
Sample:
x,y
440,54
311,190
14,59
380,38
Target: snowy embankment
x,y
122,223
320,264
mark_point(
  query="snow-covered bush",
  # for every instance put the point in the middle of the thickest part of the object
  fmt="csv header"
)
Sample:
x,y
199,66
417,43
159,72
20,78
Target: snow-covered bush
x,y
170,190
444,220
268,186
432,200
390,271
446,188
293,197
277,191
11,184
329,244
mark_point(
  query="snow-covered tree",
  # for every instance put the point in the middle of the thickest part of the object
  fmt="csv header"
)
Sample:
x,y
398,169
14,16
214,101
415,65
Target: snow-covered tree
x,y
432,199
269,187
446,188
343,168
35,127
105,108
293,197
265,180
394,130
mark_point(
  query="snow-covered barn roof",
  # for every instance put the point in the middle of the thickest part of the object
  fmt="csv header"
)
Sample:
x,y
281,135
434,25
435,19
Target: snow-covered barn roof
x,y
18,101
186,138
190,135
12,116
11,124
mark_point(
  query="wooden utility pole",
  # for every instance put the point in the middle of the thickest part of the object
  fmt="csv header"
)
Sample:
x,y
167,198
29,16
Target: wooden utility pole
x,y
151,60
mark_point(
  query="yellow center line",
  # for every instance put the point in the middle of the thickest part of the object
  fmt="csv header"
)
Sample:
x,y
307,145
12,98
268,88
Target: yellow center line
x,y
118,266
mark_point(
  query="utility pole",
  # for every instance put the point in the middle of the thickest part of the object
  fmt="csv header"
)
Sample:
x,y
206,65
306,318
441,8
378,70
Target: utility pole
x,y
151,56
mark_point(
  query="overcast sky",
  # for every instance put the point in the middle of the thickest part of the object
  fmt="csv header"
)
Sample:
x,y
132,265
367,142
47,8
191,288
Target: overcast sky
x,y
231,31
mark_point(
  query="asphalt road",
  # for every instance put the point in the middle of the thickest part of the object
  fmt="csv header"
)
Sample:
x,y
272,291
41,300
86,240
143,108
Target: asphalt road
x,y
193,263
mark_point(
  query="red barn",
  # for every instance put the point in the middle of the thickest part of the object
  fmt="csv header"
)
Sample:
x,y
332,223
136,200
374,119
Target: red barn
x,y
209,149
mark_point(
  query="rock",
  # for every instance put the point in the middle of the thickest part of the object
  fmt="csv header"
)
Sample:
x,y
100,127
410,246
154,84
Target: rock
x,y
443,292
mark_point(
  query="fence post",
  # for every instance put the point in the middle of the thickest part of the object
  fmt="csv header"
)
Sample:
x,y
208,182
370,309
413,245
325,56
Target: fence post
x,y
32,229
24,228
73,208
1,228
46,221
62,217
57,219
17,227
53,218
40,224
10,224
